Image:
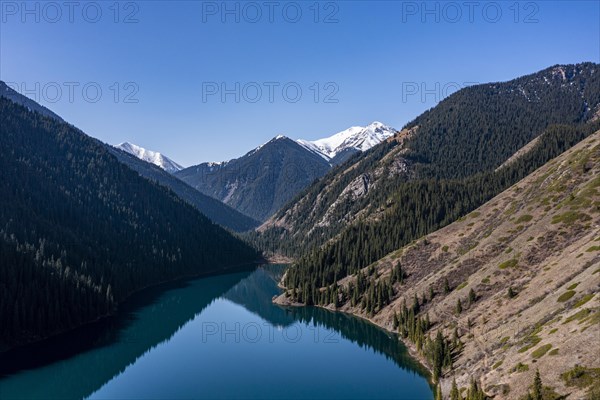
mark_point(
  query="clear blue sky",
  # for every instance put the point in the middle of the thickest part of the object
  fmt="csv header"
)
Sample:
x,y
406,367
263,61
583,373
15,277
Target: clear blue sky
x,y
377,55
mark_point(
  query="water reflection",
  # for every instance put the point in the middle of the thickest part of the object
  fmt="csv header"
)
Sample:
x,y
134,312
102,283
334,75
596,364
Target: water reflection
x,y
92,360
76,364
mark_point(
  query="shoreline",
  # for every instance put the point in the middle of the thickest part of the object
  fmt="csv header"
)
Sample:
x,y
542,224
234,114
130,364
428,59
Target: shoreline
x,y
283,301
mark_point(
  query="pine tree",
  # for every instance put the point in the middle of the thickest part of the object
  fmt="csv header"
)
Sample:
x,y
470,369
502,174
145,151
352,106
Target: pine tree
x,y
446,286
511,292
454,393
438,392
537,386
458,306
472,296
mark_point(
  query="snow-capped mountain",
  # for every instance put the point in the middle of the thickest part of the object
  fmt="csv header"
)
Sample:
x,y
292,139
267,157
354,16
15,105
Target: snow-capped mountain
x,y
356,138
261,181
152,157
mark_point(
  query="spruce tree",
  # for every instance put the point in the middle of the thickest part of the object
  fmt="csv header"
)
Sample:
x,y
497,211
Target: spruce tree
x,y
454,393
537,386
511,292
472,296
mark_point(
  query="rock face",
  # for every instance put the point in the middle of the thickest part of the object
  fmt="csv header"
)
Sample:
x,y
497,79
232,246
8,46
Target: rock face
x,y
531,255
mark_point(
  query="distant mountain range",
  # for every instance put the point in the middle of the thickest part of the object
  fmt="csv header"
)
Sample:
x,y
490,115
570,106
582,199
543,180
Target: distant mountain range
x,y
266,178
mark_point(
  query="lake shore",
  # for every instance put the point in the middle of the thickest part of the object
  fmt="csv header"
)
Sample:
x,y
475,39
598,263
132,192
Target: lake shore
x,y
283,301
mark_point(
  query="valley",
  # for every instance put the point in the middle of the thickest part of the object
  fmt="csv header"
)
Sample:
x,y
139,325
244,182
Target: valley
x,y
457,257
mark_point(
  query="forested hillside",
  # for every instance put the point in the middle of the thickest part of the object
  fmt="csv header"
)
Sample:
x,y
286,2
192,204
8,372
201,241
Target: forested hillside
x,y
218,212
506,290
479,127
80,231
472,132
419,207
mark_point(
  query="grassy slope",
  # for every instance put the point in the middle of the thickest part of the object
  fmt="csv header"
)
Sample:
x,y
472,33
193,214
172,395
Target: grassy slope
x,y
540,237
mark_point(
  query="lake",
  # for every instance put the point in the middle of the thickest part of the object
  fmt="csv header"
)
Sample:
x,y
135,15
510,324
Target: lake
x,y
216,337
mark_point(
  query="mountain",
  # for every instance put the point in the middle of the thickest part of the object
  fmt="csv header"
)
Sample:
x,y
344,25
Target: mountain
x,y
472,132
152,157
260,182
508,289
339,147
215,210
13,95
266,178
80,231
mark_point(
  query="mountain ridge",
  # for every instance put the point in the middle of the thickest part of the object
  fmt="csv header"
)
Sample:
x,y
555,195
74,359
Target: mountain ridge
x,y
472,131
150,156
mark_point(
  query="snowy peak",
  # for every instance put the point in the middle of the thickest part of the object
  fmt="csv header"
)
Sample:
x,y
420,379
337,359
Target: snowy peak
x,y
152,157
356,138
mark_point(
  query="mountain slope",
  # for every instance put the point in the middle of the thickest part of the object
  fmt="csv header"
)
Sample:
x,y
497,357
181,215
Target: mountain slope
x,y
80,231
217,211
473,131
260,182
11,94
531,258
339,147
152,157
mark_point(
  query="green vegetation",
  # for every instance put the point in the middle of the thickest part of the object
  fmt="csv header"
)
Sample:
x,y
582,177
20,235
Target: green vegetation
x,y
508,264
593,248
570,217
439,352
578,315
541,351
566,296
497,364
573,286
520,367
553,352
524,218
530,341
462,285
584,299
583,377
